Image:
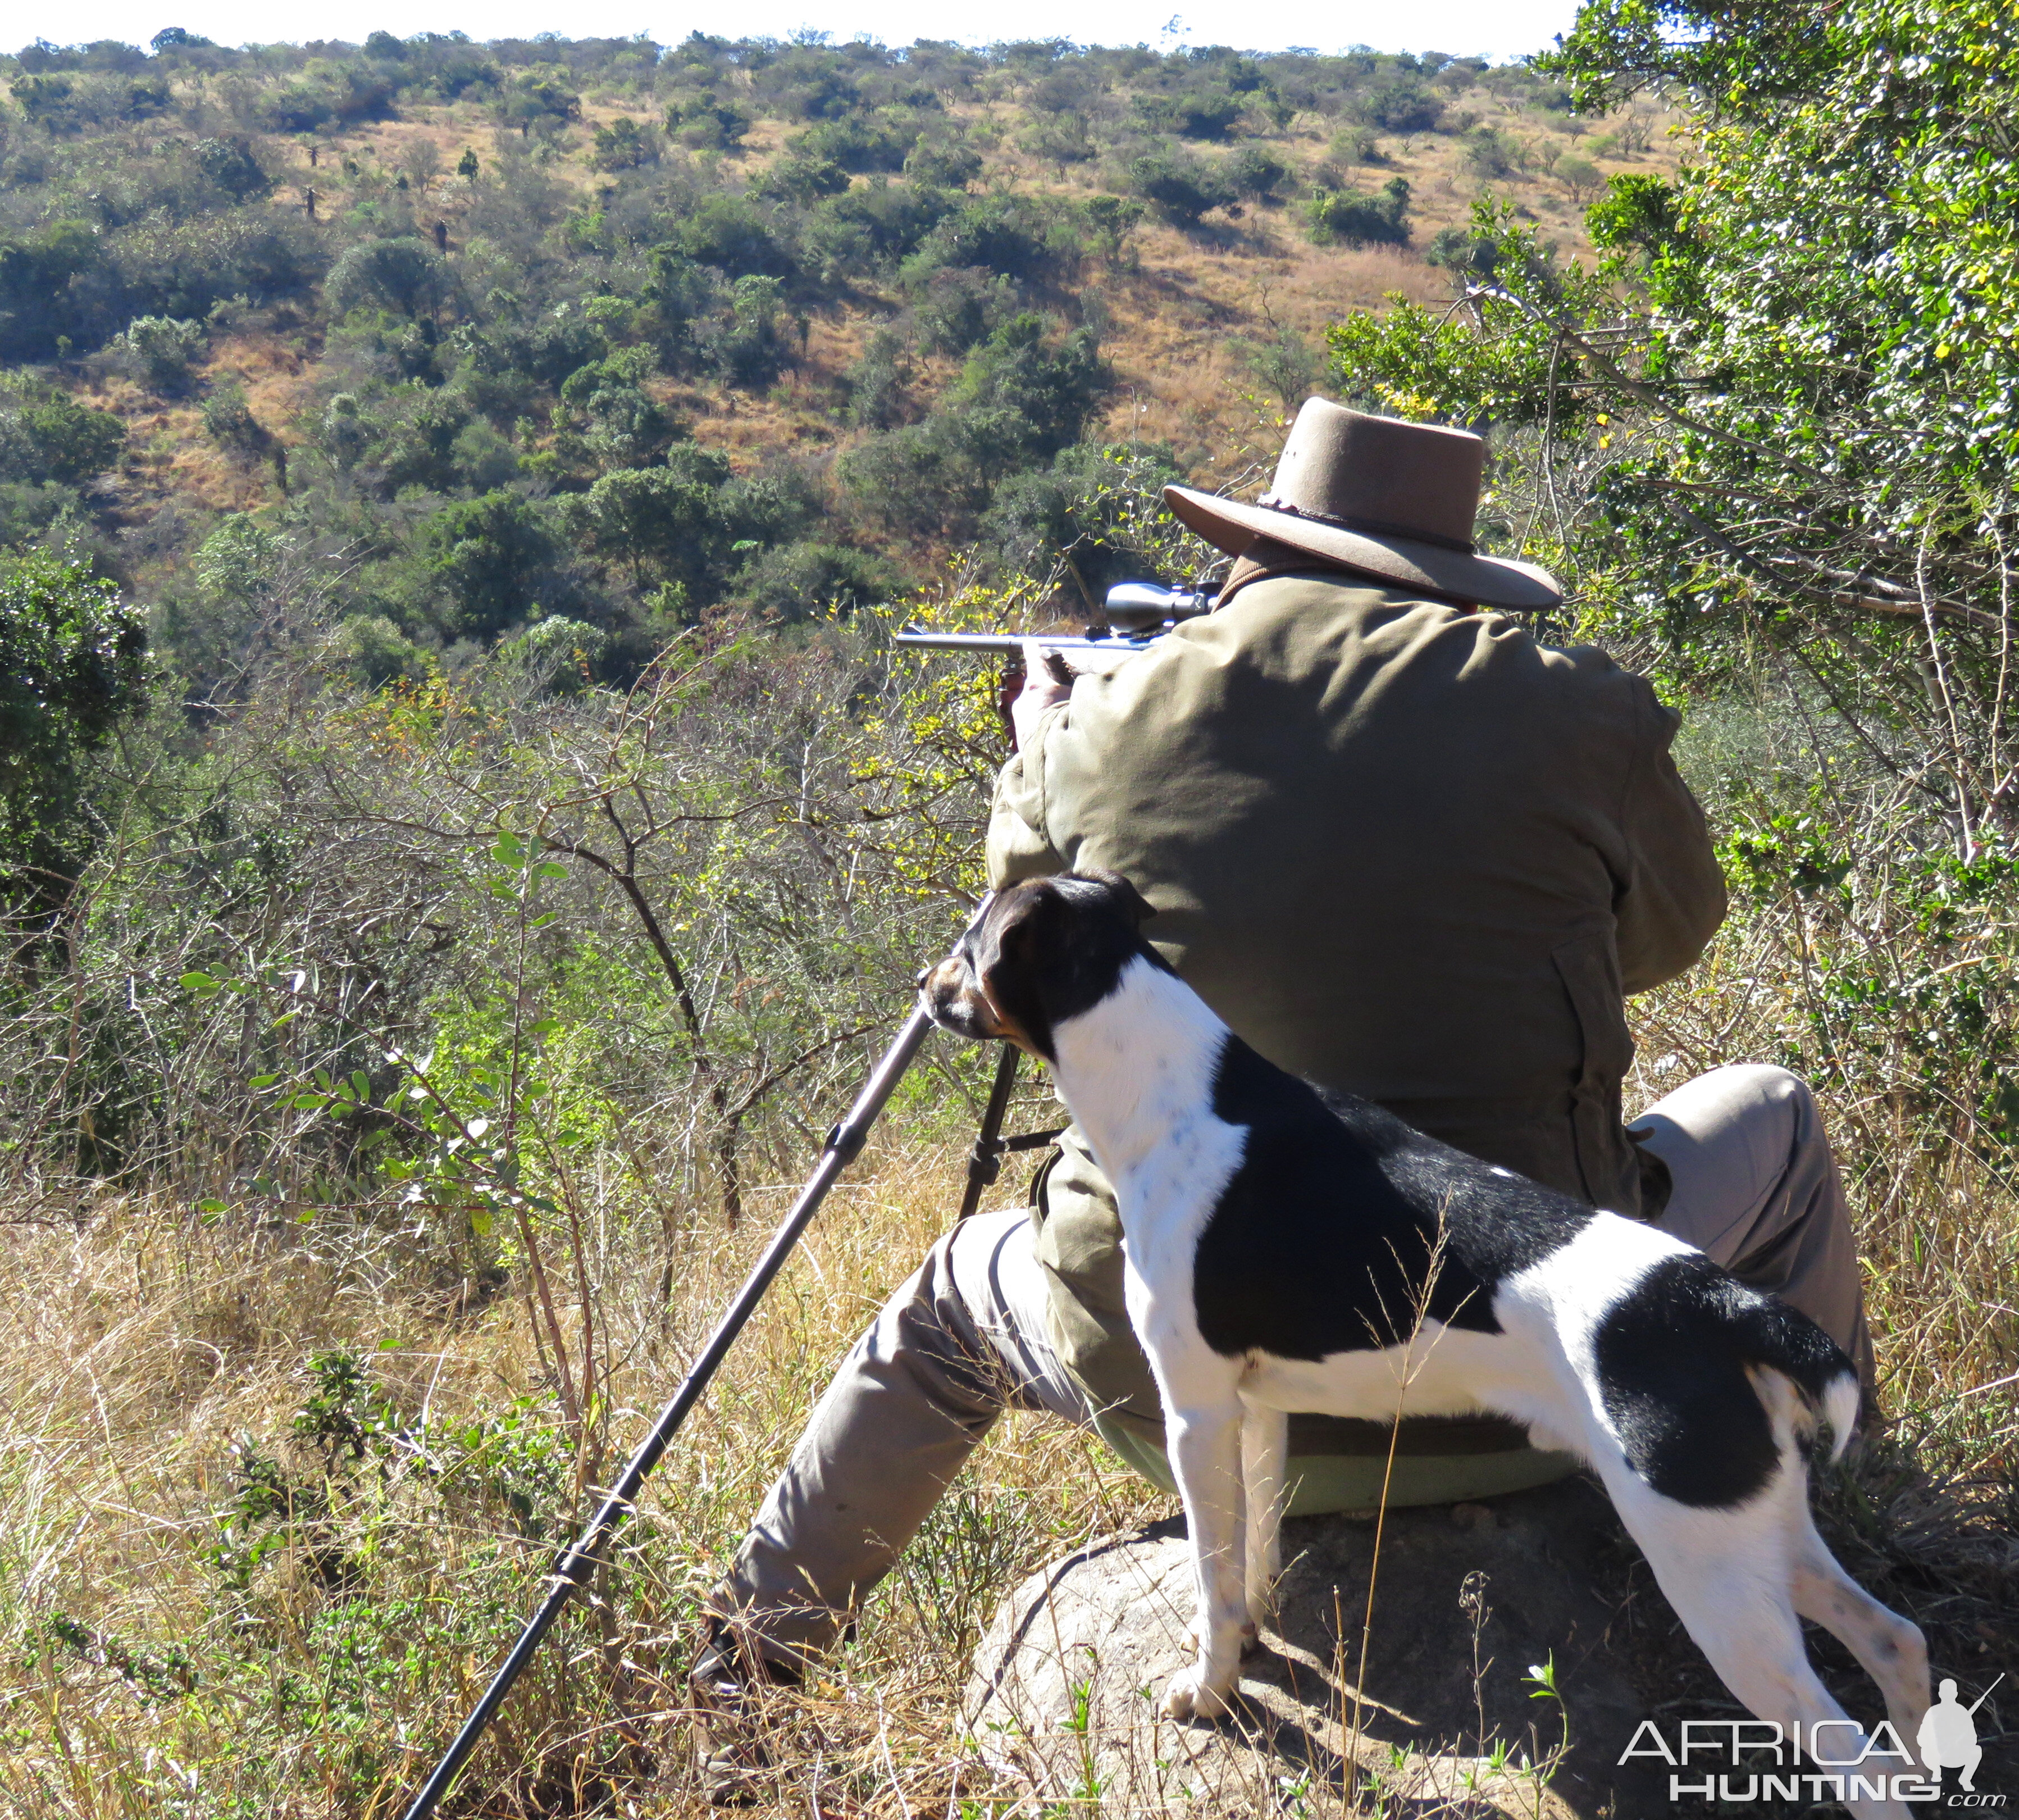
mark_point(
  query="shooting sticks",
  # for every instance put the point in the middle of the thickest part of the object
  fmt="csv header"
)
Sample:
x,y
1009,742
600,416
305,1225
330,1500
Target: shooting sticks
x,y
572,1572
985,1162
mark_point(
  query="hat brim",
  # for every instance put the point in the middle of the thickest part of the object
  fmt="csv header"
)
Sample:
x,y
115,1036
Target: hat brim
x,y
1485,581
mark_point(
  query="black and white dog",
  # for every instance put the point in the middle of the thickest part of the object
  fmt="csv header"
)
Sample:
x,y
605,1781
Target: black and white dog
x,y
1288,1250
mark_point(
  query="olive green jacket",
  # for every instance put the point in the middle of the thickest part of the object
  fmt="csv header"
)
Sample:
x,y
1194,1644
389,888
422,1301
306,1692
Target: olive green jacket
x,y
1403,849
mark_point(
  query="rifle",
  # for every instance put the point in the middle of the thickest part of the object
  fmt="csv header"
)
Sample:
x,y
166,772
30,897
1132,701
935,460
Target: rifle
x,y
1138,613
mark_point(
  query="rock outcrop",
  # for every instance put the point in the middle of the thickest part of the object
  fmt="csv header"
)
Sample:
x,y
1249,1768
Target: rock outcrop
x,y
1444,1715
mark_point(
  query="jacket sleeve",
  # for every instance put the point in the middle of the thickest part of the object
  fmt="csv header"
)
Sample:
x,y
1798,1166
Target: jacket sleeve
x,y
1019,841
1672,899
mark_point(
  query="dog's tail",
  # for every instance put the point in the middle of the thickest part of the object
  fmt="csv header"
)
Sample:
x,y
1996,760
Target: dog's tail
x,y
1785,1347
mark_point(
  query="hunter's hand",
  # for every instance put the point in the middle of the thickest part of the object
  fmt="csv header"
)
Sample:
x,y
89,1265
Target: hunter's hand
x,y
1047,679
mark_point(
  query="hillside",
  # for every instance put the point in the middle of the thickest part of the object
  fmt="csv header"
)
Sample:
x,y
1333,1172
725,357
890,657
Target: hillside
x,y
425,302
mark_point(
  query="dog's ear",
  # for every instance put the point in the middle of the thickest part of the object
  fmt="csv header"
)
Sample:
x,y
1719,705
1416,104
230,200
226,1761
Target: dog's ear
x,y
1130,901
1011,950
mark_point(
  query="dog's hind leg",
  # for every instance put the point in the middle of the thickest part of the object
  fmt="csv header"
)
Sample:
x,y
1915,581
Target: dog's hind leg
x,y
1265,1439
1889,1648
1730,1574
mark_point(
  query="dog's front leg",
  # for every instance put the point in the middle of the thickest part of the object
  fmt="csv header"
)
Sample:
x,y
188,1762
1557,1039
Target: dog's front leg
x,y
1206,1455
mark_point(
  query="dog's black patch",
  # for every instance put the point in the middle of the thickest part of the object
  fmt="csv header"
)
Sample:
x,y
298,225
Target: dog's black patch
x,y
1326,1240
1053,948
1671,1358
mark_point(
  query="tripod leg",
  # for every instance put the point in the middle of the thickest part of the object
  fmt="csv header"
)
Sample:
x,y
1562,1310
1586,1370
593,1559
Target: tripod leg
x,y
842,1145
985,1162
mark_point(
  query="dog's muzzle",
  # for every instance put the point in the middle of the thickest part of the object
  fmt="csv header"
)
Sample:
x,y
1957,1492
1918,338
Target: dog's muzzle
x,y
950,997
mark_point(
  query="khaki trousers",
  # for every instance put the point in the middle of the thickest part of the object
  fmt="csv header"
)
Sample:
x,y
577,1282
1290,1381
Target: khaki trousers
x,y
1754,1185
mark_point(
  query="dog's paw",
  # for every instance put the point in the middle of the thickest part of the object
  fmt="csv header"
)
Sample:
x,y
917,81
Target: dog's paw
x,y
1189,1696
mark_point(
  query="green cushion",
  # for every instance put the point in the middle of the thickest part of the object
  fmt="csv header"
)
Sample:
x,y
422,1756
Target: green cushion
x,y
1329,1482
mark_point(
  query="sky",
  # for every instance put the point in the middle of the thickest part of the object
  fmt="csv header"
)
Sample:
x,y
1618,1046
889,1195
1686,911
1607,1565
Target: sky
x,y
1495,28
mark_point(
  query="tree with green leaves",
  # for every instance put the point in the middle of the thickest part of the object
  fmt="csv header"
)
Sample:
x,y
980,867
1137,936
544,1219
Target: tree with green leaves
x,y
73,665
1784,413
665,522
487,562
403,275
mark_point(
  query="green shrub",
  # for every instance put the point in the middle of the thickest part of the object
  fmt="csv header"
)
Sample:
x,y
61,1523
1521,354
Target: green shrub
x,y
803,179
859,145
403,274
55,438
170,267
877,383
417,445
1063,139
920,478
1334,217
369,650
157,350
805,581
623,145
1464,253
228,421
229,164
1038,390
560,653
1023,395
1255,173
871,226
943,163
1198,114
749,349
612,421
1405,105
41,300
1181,187
1112,219
1356,145
73,666
1490,152
1286,364
484,563
706,123
962,307
1083,513
737,237
663,523
539,97
1580,176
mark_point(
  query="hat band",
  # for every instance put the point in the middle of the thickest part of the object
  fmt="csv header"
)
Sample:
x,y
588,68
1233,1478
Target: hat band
x,y
1368,527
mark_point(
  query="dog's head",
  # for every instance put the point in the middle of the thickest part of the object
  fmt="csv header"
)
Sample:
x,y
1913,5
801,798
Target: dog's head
x,y
1041,952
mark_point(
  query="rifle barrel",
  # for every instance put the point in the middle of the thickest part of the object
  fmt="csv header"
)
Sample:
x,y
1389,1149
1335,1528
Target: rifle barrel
x,y
1082,652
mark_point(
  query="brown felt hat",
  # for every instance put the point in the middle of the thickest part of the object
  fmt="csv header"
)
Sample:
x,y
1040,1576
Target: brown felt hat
x,y
1393,500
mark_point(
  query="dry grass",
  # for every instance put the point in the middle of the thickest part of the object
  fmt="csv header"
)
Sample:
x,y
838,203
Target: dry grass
x,y
150,1356
146,1356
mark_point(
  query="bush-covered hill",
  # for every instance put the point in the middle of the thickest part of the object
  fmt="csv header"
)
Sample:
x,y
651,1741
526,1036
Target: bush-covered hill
x,y
627,334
